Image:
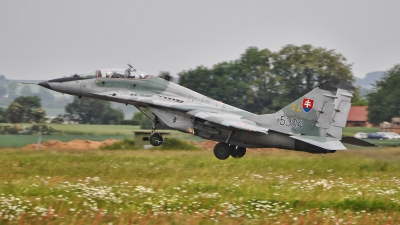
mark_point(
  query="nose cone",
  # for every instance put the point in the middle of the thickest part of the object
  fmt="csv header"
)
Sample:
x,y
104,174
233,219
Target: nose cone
x,y
45,84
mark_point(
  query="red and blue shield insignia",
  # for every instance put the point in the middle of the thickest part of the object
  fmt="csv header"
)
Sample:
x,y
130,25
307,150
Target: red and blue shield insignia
x,y
307,104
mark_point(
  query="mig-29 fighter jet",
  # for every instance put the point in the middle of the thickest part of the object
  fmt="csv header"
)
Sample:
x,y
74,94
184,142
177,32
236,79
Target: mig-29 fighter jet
x,y
313,123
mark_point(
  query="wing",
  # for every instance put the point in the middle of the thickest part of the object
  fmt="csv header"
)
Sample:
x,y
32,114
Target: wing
x,y
227,119
220,117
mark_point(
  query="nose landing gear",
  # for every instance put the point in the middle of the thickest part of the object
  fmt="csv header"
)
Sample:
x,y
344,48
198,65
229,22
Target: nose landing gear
x,y
155,139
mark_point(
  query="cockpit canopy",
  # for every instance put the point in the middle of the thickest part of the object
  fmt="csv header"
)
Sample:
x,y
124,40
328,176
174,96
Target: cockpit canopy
x,y
117,73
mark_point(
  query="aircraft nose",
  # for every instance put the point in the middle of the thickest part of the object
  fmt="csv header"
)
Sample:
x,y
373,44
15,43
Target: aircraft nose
x,y
45,84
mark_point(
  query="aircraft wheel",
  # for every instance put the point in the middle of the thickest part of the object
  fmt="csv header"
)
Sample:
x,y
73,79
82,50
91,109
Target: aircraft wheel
x,y
237,152
234,152
222,151
241,151
156,139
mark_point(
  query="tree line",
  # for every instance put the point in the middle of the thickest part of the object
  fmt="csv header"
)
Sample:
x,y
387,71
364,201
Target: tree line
x,y
262,81
384,102
28,109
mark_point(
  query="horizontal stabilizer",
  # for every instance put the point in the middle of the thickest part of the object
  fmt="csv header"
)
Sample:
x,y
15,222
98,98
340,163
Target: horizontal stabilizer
x,y
356,141
322,142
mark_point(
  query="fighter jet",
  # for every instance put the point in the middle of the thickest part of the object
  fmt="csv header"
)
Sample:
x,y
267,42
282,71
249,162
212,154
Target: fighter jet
x,y
313,123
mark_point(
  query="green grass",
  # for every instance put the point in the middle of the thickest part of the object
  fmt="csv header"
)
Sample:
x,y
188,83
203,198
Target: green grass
x,y
192,187
169,144
384,143
126,130
90,129
104,130
82,132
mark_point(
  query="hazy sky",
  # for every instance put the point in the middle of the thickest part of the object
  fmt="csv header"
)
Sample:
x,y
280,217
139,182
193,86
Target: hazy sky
x,y
50,39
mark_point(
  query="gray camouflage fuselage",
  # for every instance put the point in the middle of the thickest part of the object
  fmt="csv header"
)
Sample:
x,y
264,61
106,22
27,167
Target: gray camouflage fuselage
x,y
188,111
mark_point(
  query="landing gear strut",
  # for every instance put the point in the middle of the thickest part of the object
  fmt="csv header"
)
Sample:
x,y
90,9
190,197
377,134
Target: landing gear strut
x,y
223,150
155,138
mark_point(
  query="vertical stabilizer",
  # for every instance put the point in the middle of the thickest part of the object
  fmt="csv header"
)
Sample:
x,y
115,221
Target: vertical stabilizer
x,y
342,108
310,114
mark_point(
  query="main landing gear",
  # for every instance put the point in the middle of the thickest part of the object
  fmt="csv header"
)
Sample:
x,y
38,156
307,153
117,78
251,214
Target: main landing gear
x,y
223,150
155,139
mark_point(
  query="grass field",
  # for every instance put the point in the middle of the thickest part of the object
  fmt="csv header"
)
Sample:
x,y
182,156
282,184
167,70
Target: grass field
x,y
102,132
83,132
90,129
18,141
192,187
94,129
350,131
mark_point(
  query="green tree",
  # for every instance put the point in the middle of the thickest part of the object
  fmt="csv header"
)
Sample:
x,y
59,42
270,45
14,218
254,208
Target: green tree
x,y
38,115
241,83
198,79
3,115
26,109
302,68
93,111
15,112
384,103
146,123
58,120
262,81
112,116
357,99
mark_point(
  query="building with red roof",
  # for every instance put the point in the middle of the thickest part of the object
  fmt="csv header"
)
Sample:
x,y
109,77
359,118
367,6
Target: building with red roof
x,y
358,117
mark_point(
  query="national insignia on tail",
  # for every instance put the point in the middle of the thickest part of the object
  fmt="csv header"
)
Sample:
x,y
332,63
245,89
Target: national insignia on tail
x,y
307,104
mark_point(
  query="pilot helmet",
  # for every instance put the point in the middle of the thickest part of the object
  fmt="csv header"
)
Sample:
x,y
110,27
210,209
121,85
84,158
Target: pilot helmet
x,y
109,73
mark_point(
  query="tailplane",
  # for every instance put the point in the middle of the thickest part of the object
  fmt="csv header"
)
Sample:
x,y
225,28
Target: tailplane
x,y
321,112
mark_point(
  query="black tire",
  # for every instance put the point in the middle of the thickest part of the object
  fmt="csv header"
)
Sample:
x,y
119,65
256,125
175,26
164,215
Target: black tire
x,y
222,151
156,139
240,152
234,152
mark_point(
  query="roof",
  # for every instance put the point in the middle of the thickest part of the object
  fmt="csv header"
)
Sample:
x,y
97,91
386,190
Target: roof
x,y
358,113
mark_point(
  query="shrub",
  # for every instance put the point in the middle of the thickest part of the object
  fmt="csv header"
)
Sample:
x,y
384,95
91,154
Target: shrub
x,y
130,122
169,144
176,144
126,144
45,129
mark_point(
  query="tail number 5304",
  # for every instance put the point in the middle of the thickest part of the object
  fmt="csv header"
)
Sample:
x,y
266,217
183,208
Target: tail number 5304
x,y
291,122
